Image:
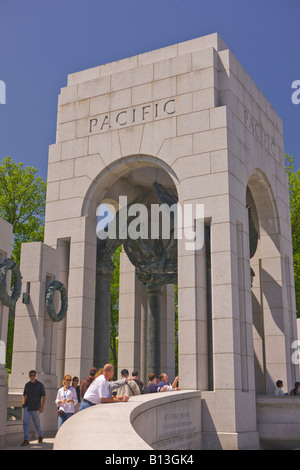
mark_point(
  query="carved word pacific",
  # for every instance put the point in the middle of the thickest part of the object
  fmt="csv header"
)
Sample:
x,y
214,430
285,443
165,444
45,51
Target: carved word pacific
x,y
134,115
259,132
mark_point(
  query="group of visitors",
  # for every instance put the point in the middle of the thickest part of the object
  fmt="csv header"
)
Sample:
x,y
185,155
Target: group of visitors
x,y
161,384
98,387
280,393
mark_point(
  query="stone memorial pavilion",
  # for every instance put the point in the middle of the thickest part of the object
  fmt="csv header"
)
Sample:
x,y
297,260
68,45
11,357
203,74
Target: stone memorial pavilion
x,y
184,124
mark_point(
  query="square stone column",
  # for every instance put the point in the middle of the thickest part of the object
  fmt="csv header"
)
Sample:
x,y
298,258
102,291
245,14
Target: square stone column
x,y
133,324
167,337
63,248
132,314
74,237
193,317
35,334
79,340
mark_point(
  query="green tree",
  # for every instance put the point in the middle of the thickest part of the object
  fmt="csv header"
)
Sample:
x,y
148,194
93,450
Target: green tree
x,y
22,203
294,189
114,316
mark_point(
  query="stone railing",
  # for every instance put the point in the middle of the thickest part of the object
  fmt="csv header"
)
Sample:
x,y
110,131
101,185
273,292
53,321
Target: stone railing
x,y
14,407
169,420
14,422
278,422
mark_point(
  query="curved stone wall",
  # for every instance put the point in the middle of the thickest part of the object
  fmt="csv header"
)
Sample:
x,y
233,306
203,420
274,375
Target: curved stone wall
x,y
170,420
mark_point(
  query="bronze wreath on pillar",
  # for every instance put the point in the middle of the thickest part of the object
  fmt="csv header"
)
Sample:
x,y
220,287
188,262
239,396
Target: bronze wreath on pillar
x,y
56,285
9,300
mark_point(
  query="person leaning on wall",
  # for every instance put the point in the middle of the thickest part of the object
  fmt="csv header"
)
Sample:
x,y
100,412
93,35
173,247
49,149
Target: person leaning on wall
x,y
99,390
130,387
135,376
278,389
153,384
296,390
164,381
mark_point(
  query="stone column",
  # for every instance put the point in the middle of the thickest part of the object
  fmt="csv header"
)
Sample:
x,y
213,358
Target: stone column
x,y
79,346
104,275
154,294
63,248
132,320
167,331
33,349
193,319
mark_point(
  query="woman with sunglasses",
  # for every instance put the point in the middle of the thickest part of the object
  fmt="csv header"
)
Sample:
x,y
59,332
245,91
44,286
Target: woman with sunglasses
x,y
66,400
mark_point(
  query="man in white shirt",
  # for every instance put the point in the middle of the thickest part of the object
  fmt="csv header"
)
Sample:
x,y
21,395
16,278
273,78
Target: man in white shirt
x,y
99,392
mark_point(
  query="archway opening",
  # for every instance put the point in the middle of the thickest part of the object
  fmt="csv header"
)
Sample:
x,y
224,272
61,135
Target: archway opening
x,y
266,288
146,328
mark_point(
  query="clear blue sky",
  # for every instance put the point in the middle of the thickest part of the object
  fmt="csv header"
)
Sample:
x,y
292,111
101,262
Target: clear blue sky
x,y
42,41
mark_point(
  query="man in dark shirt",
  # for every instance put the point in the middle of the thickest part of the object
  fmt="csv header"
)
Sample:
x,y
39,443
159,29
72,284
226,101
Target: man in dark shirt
x,y
86,382
137,380
34,393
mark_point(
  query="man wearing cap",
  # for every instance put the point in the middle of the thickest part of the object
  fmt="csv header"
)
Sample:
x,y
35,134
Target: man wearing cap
x,y
87,381
130,387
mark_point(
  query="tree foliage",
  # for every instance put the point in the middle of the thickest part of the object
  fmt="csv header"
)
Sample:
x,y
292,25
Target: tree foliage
x,y
294,189
114,316
22,202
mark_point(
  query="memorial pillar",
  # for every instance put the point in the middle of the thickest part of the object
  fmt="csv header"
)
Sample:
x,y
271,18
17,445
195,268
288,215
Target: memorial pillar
x,y
132,320
35,335
154,295
104,275
63,248
167,332
192,318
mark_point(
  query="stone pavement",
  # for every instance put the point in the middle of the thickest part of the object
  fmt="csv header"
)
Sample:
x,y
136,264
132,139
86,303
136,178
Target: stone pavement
x,y
47,444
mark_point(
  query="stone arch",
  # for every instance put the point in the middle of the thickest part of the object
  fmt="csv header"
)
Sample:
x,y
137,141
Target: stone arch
x,y
267,295
116,170
265,203
130,174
